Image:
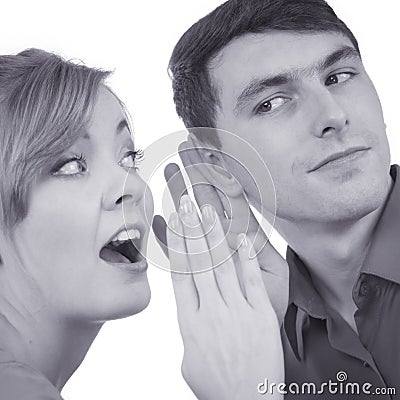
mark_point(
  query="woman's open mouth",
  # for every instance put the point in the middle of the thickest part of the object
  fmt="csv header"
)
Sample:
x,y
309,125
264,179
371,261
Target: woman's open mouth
x,y
123,248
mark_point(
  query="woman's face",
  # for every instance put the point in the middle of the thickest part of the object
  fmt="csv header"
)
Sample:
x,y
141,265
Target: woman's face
x,y
76,210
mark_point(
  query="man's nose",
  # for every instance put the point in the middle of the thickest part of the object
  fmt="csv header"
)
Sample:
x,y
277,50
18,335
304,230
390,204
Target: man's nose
x,y
123,188
329,115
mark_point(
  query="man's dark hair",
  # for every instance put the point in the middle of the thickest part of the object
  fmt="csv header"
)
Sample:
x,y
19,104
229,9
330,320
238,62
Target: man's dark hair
x,y
195,96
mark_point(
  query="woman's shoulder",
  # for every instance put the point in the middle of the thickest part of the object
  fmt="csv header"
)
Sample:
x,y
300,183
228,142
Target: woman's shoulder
x,y
19,381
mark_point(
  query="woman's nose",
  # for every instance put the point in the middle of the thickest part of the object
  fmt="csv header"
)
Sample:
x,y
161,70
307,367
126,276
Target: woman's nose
x,y
128,191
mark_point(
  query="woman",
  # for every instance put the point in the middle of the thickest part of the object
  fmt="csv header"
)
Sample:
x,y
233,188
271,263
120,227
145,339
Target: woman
x,y
71,256
67,261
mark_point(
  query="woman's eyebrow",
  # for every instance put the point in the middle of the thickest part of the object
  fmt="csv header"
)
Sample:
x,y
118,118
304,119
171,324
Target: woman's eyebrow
x,y
258,85
123,124
84,134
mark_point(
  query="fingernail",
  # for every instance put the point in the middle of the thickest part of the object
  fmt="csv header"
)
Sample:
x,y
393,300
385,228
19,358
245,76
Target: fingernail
x,y
173,221
242,241
186,204
208,212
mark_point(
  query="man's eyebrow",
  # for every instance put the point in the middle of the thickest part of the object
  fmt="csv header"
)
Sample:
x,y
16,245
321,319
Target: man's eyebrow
x,y
258,85
344,53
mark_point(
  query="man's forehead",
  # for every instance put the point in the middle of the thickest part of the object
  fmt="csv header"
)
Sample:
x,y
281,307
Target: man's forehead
x,y
272,52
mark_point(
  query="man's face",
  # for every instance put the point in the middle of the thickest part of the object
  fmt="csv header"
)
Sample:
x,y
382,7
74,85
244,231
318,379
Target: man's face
x,y
307,105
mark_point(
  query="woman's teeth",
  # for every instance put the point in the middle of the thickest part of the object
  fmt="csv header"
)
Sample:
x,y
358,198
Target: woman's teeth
x,y
130,234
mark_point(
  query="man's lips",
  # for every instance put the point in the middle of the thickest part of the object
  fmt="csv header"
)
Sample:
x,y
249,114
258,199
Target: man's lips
x,y
339,155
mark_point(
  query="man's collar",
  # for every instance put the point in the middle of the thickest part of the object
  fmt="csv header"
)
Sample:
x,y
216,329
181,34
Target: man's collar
x,y
304,301
383,258
302,291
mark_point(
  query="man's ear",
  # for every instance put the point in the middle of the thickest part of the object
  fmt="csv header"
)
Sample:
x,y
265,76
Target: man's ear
x,y
212,166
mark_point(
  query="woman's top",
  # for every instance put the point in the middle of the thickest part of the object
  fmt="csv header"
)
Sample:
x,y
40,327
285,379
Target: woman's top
x,y
21,382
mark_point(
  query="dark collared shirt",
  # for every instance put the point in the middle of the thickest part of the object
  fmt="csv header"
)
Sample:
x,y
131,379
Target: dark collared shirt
x,y
319,344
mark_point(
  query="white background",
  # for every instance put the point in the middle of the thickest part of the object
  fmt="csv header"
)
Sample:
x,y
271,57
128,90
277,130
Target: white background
x,y
139,358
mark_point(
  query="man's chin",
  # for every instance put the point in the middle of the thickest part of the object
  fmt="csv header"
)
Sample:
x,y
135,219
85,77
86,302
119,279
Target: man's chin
x,y
355,203
334,203
356,195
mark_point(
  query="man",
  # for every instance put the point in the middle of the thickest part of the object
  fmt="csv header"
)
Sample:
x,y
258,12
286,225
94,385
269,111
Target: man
x,y
287,77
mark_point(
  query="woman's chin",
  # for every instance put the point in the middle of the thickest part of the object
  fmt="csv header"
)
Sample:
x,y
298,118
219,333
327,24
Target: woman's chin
x,y
142,302
121,303
135,303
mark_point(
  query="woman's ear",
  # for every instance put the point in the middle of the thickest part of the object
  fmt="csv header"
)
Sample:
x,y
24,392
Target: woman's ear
x,y
210,163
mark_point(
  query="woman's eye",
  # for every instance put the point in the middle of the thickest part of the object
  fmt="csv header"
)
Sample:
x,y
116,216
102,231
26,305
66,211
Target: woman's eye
x,y
131,159
71,167
338,78
271,105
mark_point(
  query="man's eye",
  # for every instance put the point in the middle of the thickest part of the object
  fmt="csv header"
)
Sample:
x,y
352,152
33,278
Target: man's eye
x,y
71,167
271,105
131,159
338,78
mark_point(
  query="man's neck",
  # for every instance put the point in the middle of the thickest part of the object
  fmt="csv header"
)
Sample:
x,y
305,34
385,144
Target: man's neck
x,y
334,254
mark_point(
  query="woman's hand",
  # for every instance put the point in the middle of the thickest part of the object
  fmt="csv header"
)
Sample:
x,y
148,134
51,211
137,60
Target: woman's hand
x,y
231,335
275,271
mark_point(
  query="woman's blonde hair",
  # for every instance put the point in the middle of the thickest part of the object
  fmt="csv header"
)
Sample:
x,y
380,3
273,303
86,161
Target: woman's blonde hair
x,y
45,102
